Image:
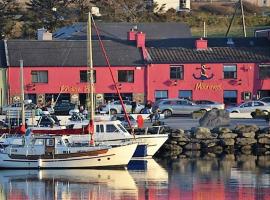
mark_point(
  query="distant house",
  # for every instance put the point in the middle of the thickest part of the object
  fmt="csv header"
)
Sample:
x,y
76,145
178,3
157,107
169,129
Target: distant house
x,y
179,5
260,3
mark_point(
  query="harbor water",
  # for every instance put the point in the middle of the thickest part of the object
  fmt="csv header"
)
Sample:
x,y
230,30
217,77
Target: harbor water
x,y
201,178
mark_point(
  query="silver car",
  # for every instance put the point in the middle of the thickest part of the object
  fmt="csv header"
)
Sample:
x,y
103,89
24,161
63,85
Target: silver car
x,y
170,107
265,99
211,104
250,106
116,108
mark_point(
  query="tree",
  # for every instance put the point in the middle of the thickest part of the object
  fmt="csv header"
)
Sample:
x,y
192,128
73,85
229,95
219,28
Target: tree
x,y
129,10
82,7
8,12
49,14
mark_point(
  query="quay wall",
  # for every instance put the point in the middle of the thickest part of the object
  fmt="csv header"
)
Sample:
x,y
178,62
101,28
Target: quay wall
x,y
243,139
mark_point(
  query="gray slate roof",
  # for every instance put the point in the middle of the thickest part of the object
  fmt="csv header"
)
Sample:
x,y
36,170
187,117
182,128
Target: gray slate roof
x,y
243,50
72,53
3,62
119,30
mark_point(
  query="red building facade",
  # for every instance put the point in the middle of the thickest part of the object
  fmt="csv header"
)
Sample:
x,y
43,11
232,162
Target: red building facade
x,y
223,70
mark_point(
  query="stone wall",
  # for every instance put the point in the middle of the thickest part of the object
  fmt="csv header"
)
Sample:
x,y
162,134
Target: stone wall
x,y
243,139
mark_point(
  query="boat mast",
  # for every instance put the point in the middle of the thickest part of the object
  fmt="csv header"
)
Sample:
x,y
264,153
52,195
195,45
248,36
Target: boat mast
x,y
22,127
90,77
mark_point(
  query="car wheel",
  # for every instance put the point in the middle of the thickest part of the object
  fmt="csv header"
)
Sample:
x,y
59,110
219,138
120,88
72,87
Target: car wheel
x,y
113,111
167,113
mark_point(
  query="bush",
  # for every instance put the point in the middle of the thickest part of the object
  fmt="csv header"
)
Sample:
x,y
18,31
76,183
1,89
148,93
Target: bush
x,y
217,9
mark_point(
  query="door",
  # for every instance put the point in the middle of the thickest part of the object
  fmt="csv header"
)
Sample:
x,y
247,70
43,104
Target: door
x,y
50,146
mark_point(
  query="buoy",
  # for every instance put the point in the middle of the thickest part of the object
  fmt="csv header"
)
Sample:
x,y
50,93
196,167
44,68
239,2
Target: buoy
x,y
140,121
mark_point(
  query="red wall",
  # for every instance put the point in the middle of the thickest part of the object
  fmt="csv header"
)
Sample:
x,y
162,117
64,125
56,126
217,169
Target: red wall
x,y
70,76
247,80
151,78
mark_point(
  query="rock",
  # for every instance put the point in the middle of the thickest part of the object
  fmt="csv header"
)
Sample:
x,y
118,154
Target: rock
x,y
222,130
227,135
193,146
245,141
173,142
267,146
247,134
182,143
215,118
264,140
262,135
209,143
202,133
182,139
246,128
227,142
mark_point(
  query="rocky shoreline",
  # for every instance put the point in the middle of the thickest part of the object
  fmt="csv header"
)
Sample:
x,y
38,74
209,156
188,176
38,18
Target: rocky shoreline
x,y
243,139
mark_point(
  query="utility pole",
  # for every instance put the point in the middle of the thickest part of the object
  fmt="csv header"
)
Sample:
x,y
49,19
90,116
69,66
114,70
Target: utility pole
x,y
243,18
238,5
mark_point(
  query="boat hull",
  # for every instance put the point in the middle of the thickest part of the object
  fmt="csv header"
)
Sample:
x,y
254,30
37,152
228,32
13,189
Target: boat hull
x,y
153,142
114,157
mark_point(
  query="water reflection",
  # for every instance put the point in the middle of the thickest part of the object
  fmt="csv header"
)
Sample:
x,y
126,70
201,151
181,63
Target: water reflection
x,y
230,177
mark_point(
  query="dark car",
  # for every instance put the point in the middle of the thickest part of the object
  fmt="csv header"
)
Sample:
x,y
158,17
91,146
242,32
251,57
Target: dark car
x,y
63,108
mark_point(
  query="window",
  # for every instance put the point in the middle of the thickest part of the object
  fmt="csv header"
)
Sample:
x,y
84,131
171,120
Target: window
x,y
111,128
246,95
229,71
176,72
39,76
230,97
161,94
83,76
185,94
257,103
126,76
264,71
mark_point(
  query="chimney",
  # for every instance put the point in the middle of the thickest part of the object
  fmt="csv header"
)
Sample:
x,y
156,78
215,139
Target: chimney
x,y
131,35
201,44
140,37
43,34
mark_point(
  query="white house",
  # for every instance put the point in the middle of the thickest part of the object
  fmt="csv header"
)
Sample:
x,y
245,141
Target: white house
x,y
178,5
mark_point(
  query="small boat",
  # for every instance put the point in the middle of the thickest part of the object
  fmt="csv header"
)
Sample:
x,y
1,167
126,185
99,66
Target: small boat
x,y
50,151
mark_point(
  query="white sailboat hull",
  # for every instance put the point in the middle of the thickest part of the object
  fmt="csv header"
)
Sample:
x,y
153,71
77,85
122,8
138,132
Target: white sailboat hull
x,y
114,157
153,142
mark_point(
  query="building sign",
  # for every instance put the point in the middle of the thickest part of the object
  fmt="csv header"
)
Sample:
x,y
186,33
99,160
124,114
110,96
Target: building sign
x,y
208,86
203,74
74,89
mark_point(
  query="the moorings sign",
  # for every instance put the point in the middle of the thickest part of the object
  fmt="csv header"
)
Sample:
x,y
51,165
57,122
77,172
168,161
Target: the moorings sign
x,y
208,86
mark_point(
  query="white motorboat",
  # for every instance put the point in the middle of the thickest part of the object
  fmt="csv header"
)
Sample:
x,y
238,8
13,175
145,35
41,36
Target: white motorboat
x,y
57,152
113,133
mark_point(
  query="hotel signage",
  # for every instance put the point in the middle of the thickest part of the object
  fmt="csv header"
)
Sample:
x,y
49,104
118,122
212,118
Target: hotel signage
x,y
74,89
208,86
203,74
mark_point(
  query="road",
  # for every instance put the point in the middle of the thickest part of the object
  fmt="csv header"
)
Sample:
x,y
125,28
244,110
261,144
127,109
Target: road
x,y
187,123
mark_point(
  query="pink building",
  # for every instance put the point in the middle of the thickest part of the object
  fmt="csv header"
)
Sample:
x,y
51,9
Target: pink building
x,y
146,64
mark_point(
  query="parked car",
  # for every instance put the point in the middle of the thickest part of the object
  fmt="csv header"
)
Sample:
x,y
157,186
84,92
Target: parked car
x,y
115,107
124,121
63,108
265,99
13,110
171,107
211,104
249,107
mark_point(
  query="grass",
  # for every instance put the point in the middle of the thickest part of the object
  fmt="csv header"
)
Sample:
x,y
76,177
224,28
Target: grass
x,y
221,31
